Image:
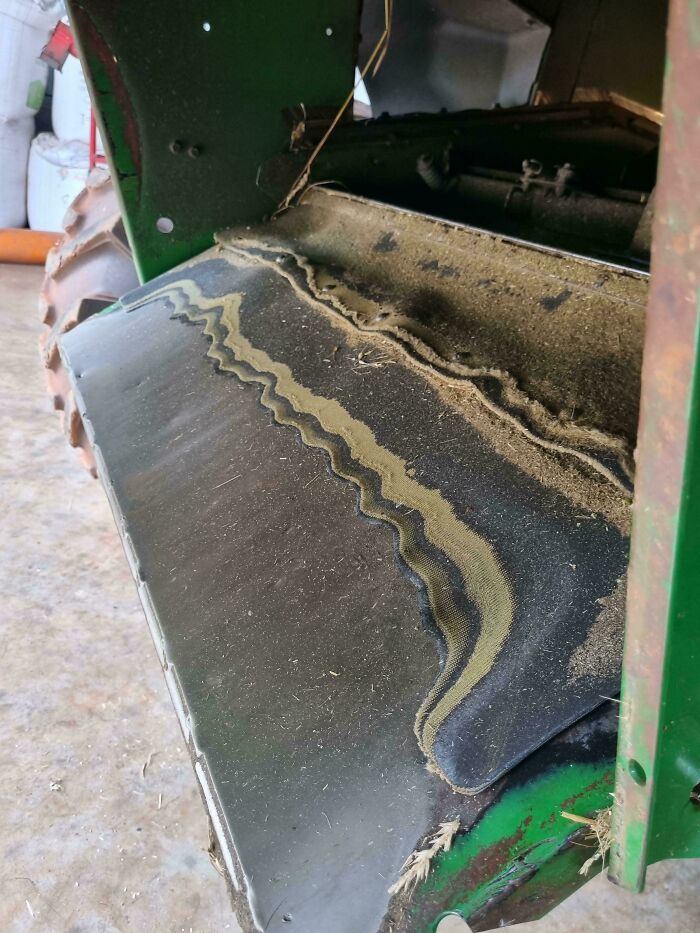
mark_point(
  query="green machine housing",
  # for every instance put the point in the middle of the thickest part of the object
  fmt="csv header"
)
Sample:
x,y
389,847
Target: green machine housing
x,y
400,434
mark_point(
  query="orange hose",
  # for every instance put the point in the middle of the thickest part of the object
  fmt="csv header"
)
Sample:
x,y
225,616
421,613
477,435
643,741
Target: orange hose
x,y
26,246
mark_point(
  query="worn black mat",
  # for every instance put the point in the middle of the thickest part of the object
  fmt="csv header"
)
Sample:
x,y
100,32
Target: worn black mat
x,y
354,568
509,572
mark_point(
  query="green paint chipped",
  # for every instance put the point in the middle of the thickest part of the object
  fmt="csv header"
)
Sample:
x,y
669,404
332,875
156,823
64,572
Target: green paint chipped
x,y
528,820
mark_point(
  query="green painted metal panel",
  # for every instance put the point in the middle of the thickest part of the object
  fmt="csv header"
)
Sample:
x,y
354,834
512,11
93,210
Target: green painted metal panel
x,y
191,101
521,842
657,815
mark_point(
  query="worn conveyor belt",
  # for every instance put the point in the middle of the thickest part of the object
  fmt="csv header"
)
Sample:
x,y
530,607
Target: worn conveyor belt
x,y
356,561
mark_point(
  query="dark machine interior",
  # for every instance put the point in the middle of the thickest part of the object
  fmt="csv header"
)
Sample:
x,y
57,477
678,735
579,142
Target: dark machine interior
x,y
538,120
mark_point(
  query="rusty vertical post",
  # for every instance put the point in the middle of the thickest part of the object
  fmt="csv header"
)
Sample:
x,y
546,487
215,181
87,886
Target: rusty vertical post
x,y
656,815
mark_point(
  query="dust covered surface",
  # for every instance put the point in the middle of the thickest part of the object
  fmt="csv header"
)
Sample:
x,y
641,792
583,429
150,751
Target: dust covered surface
x,y
348,560
509,569
555,339
602,648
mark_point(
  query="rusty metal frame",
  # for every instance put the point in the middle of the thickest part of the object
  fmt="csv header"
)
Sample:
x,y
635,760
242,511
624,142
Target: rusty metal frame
x,y
656,815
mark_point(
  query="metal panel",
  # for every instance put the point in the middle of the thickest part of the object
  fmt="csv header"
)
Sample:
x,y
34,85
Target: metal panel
x,y
452,55
567,47
657,814
190,100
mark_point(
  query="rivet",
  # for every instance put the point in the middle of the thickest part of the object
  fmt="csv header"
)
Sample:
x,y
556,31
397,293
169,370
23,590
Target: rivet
x,y
175,146
194,152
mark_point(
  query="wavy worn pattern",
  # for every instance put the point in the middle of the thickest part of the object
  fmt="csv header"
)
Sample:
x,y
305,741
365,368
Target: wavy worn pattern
x,y
588,445
480,570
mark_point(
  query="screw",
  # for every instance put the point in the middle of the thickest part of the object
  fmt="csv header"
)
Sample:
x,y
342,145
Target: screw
x,y
175,146
194,152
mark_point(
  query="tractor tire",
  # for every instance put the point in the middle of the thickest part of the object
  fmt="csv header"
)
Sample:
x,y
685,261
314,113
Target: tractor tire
x,y
86,272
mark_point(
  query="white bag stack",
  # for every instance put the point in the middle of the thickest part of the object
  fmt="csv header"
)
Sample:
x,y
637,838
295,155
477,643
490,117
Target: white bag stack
x,y
70,107
58,169
25,26
59,161
15,137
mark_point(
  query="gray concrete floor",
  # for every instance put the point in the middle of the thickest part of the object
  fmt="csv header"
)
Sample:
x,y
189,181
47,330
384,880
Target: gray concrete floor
x,y
88,841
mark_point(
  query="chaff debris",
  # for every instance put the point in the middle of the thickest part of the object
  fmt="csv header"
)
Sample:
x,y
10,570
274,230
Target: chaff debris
x,y
417,866
601,831
213,852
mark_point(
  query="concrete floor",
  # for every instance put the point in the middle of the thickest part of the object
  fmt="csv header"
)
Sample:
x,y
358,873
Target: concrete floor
x,y
87,841
92,839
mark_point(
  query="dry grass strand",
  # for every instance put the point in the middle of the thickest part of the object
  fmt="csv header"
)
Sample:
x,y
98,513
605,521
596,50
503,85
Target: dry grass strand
x,y
417,866
600,829
376,58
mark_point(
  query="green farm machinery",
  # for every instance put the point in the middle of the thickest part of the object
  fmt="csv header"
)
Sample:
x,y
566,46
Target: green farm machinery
x,y
386,359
